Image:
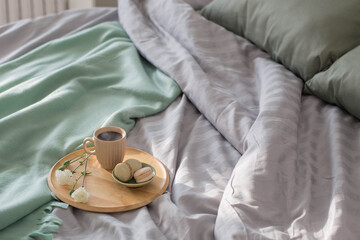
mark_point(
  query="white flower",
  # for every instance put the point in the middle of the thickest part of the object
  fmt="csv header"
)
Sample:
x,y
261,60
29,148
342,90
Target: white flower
x,y
80,195
64,177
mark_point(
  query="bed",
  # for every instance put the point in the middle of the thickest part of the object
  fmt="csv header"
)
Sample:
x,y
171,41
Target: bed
x,y
258,130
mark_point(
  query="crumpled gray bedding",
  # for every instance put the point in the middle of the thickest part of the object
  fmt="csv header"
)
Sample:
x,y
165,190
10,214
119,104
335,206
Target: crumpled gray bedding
x,y
22,36
249,156
298,174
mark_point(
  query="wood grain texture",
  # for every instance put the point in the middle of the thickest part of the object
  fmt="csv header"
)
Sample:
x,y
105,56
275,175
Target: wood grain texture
x,y
106,194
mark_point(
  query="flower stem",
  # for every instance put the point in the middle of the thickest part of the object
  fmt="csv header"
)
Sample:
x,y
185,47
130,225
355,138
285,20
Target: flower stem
x,y
85,170
70,161
83,174
72,189
77,158
80,164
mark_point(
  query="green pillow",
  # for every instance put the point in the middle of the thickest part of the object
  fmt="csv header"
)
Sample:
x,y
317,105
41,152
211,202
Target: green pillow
x,y
307,36
340,84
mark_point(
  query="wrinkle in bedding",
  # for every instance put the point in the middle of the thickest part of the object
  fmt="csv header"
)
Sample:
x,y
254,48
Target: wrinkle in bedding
x,y
295,178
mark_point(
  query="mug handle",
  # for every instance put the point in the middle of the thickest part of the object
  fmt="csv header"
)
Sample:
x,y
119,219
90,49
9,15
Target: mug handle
x,y
89,139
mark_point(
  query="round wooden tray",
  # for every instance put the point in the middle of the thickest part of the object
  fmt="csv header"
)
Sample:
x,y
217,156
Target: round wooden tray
x,y
106,195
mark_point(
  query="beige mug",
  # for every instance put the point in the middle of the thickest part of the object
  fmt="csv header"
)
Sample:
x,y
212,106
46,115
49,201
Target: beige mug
x,y
110,144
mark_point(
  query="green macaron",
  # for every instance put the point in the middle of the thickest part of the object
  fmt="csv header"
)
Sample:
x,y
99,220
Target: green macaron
x,y
123,172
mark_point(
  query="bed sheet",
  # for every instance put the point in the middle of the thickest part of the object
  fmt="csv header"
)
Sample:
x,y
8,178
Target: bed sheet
x,y
298,176
20,37
272,163
249,156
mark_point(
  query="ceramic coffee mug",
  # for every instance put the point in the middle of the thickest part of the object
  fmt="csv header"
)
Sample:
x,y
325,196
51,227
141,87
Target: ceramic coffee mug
x,y
110,144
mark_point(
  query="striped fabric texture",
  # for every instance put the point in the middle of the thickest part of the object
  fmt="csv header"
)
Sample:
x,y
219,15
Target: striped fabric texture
x,y
298,174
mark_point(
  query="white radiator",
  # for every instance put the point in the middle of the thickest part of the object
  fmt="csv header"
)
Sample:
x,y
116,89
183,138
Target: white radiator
x,y
13,10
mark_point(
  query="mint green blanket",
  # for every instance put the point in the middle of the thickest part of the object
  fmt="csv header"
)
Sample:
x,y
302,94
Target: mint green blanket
x,y
54,97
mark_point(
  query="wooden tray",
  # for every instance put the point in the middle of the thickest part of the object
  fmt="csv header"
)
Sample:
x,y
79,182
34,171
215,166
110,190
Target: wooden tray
x,y
106,195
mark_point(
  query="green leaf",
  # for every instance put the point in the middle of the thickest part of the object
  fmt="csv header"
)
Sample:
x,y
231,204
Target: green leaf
x,y
67,162
83,173
62,168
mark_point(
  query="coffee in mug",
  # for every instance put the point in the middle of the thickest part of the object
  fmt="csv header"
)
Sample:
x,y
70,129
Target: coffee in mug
x,y
110,144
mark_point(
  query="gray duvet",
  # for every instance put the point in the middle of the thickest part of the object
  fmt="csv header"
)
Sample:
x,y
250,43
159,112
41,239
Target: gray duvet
x,y
249,157
297,175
